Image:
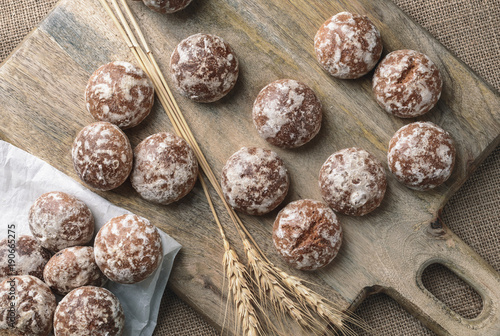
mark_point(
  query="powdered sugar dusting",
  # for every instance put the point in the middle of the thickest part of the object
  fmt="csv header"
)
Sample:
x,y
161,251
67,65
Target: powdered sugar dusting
x,y
34,305
421,155
102,155
254,180
352,181
128,249
348,45
307,234
287,113
89,311
165,168
71,268
58,220
407,83
30,258
204,67
119,93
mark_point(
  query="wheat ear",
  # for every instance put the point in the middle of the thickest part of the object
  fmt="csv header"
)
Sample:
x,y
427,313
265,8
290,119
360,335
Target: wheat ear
x,y
243,298
271,290
321,306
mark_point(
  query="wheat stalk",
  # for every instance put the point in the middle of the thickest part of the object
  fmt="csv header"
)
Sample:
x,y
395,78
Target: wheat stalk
x,y
242,295
237,276
235,271
271,290
278,285
320,305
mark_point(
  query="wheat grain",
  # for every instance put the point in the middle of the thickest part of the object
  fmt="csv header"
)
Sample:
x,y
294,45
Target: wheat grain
x,y
270,290
320,305
244,300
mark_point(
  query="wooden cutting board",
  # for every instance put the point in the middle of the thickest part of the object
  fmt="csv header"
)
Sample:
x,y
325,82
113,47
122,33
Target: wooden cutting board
x,y
42,109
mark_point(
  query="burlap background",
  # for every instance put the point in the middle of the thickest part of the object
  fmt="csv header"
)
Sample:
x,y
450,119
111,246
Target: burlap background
x,y
469,28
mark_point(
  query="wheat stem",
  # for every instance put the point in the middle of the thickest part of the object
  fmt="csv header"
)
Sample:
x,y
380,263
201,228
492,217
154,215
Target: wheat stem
x,y
272,282
235,271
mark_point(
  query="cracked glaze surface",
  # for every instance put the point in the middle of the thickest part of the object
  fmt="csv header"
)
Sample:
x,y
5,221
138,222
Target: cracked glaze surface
x,y
421,155
34,306
307,234
407,83
71,268
165,168
29,255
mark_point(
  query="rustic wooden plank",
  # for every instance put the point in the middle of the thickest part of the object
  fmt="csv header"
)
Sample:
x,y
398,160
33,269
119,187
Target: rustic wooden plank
x,y
41,96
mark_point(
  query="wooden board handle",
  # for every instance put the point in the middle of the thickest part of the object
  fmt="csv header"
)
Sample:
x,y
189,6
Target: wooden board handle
x,y
440,245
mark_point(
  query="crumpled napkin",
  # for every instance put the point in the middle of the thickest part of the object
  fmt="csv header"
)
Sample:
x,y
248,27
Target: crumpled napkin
x,y
24,177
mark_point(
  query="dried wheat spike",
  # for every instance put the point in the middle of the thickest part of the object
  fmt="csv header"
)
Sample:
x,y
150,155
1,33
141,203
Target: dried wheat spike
x,y
270,290
317,303
244,300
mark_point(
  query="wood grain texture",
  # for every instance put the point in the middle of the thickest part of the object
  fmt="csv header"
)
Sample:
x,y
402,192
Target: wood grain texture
x,y
42,109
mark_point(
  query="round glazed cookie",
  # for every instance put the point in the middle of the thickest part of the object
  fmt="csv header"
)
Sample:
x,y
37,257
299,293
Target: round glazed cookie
x,y
167,6
407,84
352,182
29,310
421,155
287,113
119,93
58,220
204,68
307,234
254,180
71,268
165,168
30,258
102,156
89,310
128,249
348,45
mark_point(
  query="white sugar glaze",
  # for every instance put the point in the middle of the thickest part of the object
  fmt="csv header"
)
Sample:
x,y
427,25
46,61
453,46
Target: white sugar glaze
x,y
341,44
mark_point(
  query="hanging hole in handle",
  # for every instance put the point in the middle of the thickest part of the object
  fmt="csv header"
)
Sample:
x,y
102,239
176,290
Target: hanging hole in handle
x,y
450,289
387,317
